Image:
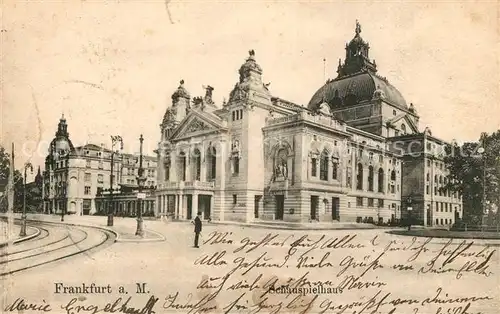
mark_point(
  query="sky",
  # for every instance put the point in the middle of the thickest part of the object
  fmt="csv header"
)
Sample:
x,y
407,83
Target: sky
x,y
111,66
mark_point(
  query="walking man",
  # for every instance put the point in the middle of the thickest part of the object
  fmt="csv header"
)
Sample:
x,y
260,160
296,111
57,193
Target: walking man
x,y
197,229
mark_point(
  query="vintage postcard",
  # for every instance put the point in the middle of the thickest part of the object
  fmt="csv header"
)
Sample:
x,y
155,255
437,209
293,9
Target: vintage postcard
x,y
172,156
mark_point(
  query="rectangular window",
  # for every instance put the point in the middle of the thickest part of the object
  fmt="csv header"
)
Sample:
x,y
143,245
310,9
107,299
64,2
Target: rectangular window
x,y
101,165
370,202
87,163
381,158
359,201
427,189
313,166
380,203
183,168
88,177
87,190
235,199
167,172
100,178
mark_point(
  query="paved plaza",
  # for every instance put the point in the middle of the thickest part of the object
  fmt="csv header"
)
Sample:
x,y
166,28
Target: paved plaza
x,y
235,266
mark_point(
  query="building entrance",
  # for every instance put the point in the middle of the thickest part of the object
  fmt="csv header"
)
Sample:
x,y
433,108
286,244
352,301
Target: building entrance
x,y
335,208
280,207
204,205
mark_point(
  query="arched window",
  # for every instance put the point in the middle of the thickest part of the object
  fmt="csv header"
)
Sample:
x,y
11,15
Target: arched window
x,y
280,163
435,179
323,166
370,178
393,175
381,180
428,177
197,164
359,177
212,163
403,128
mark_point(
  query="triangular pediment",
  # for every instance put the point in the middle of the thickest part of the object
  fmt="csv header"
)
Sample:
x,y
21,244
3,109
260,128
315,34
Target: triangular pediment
x,y
196,124
404,117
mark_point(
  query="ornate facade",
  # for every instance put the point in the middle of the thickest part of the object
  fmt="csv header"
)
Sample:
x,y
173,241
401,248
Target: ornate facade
x,y
350,155
73,176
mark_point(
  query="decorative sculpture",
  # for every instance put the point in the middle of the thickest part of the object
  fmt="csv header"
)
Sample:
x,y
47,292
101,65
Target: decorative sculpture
x,y
358,28
235,146
208,94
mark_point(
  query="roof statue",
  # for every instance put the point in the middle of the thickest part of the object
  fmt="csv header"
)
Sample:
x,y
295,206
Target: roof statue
x,y
180,92
358,28
208,94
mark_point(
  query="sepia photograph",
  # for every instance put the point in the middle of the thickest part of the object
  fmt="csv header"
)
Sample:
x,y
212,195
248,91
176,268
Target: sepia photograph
x,y
172,156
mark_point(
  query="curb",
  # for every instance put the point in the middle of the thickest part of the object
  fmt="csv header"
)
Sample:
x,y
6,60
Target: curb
x,y
26,238
402,233
291,228
117,235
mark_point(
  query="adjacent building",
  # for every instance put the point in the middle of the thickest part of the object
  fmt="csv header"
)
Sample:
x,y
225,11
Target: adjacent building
x,y
74,175
354,153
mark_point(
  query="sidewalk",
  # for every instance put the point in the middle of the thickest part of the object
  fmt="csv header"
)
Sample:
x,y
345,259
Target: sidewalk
x,y
283,225
14,237
124,228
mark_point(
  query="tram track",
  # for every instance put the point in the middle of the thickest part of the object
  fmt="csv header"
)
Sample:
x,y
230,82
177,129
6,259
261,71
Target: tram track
x,y
83,239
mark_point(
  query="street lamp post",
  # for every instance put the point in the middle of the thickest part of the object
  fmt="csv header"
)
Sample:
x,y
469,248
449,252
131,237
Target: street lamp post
x,y
64,186
140,182
481,151
114,140
409,208
23,216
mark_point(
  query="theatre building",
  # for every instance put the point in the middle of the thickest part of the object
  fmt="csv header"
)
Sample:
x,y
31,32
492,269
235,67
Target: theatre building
x,y
342,157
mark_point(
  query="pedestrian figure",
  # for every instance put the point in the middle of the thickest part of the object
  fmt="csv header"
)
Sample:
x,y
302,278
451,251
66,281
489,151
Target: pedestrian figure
x,y
197,229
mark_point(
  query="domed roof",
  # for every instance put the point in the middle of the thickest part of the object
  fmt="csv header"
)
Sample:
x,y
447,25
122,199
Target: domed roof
x,y
350,90
357,80
62,145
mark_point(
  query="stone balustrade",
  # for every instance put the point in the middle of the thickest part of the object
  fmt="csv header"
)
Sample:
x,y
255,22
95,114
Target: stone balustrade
x,y
307,116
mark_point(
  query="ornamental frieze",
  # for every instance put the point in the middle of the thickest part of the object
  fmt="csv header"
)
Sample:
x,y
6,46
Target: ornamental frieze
x,y
197,125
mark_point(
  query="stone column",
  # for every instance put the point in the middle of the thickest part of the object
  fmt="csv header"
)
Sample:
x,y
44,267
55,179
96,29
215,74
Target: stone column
x,y
221,177
164,204
181,206
189,163
212,203
174,164
203,164
194,205
158,202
